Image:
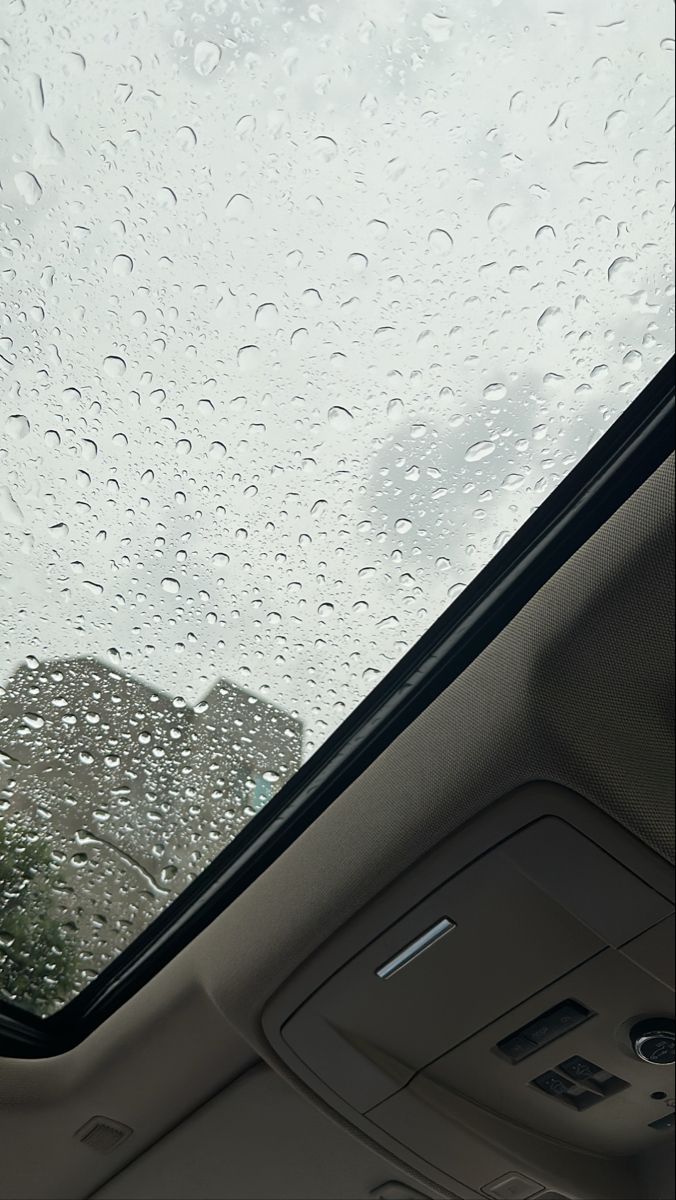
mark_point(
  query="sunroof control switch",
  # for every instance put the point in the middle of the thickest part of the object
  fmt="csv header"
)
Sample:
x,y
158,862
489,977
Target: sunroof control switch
x,y
654,1041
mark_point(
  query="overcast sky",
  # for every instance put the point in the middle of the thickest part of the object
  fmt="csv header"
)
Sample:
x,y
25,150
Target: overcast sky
x,y
302,311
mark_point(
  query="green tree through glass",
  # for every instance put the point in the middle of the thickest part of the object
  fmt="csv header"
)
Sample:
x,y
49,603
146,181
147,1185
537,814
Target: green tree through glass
x,y
37,958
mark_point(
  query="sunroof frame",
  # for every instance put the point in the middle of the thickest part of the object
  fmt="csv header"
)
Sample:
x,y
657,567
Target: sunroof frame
x,y
623,458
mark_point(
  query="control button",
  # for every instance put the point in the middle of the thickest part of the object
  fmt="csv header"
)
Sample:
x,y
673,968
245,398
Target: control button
x,y
557,1021
579,1068
544,1029
654,1041
553,1084
517,1046
512,1187
664,1122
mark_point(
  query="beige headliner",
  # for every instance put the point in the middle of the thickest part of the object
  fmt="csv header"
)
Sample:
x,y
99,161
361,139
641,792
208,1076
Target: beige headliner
x,y
578,689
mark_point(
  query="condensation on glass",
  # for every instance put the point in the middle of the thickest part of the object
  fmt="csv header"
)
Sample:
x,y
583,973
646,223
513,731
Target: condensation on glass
x,y
303,309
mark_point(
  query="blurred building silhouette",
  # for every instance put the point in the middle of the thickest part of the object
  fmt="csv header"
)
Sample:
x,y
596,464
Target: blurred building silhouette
x,y
134,792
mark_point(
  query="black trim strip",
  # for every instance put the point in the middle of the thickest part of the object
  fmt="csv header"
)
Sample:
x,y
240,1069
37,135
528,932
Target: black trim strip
x,y
627,454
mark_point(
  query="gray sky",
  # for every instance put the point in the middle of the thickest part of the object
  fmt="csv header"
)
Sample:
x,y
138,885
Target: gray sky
x,y
303,311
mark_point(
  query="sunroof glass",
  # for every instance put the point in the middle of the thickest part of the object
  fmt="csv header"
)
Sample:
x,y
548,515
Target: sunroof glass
x,y
304,309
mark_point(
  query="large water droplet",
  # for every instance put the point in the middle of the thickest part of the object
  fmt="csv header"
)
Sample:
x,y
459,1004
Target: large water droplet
x,y
621,273
186,138
248,358
123,264
172,586
440,241
33,720
17,426
114,366
166,198
340,418
266,315
633,360
437,26
495,391
239,206
206,57
357,263
549,319
325,148
479,450
28,187
500,217
10,512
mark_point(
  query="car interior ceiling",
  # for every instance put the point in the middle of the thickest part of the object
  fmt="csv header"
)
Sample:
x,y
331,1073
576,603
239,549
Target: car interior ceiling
x,y
528,811
337,490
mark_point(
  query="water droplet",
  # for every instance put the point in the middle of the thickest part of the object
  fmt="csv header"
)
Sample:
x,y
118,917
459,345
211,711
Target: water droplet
x,y
114,366
357,263
512,481
35,92
217,450
48,149
437,27
325,148
245,126
172,586
123,264
495,392
206,58
311,298
186,138
33,720
384,333
166,198
500,217
17,426
248,358
10,512
621,273
28,187
479,450
266,315
379,229
402,525
340,418
439,240
550,318
75,63
239,206
633,360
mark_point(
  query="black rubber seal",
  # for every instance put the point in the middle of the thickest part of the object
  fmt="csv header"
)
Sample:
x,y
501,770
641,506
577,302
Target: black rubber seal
x,y
616,466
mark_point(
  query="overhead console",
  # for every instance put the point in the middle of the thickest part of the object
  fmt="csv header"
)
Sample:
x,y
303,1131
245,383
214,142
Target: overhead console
x,y
501,1018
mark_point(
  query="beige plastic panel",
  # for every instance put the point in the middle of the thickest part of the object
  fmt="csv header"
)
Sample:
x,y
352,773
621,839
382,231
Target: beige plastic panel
x,y
620,994
368,1036
464,1141
552,839
525,913
653,951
